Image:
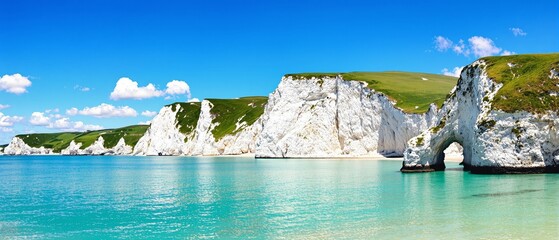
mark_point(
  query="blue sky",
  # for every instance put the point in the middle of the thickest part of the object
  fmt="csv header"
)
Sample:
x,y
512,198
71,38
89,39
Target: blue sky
x,y
71,54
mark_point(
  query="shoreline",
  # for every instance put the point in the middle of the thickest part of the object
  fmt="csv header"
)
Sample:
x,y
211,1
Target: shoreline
x,y
448,158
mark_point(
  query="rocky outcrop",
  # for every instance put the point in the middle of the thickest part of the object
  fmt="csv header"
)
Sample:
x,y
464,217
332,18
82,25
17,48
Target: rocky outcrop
x,y
97,148
332,117
164,137
493,140
18,147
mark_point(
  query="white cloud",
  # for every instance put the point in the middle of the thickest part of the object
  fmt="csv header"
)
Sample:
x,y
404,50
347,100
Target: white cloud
x,y
177,87
193,100
80,126
106,110
5,129
454,73
483,47
39,119
127,89
66,125
149,113
461,48
144,123
2,106
14,83
8,121
442,43
82,88
72,111
507,53
518,32
477,45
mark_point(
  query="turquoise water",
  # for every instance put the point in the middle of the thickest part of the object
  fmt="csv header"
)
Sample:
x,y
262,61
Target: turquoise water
x,y
166,197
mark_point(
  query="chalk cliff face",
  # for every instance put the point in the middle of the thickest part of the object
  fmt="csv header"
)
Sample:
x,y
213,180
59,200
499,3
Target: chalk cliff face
x,y
164,137
98,148
19,147
332,117
494,141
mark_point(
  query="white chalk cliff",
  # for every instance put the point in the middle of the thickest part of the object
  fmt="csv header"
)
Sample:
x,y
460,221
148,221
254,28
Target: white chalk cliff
x,y
18,147
164,137
332,117
494,141
97,148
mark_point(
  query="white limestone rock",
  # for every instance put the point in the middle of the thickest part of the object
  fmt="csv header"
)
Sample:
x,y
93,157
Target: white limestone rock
x,y
164,138
98,148
18,147
72,149
332,117
493,141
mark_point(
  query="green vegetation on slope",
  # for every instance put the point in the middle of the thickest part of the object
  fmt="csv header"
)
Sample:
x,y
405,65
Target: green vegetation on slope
x,y
56,141
59,141
407,89
131,135
527,85
228,112
187,116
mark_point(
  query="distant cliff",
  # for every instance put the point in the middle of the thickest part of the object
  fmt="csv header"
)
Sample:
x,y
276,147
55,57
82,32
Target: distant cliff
x,y
212,127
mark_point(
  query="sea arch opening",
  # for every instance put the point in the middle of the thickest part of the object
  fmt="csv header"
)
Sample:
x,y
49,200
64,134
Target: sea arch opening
x,y
451,149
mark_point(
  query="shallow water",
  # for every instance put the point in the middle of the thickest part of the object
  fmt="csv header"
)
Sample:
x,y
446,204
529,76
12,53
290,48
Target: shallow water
x,y
180,197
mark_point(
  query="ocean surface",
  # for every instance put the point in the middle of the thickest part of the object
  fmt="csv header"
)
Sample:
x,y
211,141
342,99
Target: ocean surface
x,y
102,197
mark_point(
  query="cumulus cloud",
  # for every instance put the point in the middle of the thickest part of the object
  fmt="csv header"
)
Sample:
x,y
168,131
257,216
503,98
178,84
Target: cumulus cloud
x,y
72,111
177,87
477,45
66,125
39,119
193,100
483,47
454,73
8,121
507,53
2,106
15,83
442,43
149,113
106,110
518,32
127,89
144,123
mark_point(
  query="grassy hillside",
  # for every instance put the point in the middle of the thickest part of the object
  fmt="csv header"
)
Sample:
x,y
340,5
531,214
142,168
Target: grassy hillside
x,y
59,141
228,112
56,141
187,116
412,92
131,136
526,82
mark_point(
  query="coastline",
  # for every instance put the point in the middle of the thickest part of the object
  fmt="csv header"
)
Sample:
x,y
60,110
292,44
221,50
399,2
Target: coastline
x,y
376,157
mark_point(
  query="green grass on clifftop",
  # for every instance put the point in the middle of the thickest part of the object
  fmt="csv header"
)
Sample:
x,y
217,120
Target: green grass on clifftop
x,y
56,141
59,141
228,112
187,116
527,85
406,89
131,135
